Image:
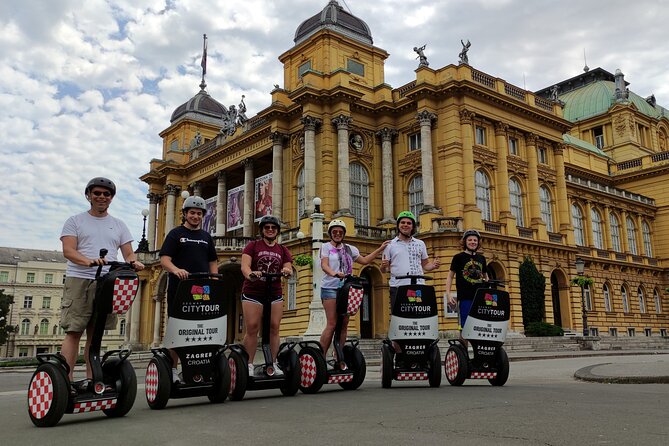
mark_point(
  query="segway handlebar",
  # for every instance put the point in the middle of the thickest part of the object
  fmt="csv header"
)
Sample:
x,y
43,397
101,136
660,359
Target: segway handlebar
x,y
204,275
112,265
414,277
268,275
494,283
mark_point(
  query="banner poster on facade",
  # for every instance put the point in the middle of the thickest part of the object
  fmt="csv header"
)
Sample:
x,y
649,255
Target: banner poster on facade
x,y
489,316
235,208
263,196
209,221
414,322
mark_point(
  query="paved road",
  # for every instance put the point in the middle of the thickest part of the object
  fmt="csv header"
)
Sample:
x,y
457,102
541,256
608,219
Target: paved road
x,y
542,404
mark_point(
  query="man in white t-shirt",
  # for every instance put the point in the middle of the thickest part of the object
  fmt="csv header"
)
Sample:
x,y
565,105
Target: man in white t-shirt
x,y
82,237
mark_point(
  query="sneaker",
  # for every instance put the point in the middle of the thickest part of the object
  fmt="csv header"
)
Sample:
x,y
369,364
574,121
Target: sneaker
x,y
175,376
277,370
331,364
252,370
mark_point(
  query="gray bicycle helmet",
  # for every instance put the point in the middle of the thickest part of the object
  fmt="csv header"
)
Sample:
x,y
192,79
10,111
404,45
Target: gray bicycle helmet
x,y
194,202
470,232
101,182
268,219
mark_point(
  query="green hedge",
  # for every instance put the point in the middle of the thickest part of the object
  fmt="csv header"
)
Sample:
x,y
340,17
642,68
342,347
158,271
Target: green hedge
x,y
538,329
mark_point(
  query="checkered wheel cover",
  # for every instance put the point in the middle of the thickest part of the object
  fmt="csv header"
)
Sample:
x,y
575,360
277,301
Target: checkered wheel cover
x,y
233,374
90,406
151,383
411,376
482,375
40,395
355,295
308,370
452,365
343,378
124,294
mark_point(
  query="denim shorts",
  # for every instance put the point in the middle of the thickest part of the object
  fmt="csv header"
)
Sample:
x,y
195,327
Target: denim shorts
x,y
329,293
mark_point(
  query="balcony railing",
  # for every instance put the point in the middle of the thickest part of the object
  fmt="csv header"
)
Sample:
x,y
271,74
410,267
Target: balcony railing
x,y
526,233
374,232
554,237
232,243
447,224
491,226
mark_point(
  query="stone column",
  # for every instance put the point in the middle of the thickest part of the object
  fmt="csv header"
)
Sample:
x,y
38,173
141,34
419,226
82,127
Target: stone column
x,y
587,227
249,202
342,124
425,119
561,197
533,187
197,189
623,229
221,203
472,214
172,191
606,210
154,199
135,312
387,134
640,247
502,186
157,316
277,174
310,124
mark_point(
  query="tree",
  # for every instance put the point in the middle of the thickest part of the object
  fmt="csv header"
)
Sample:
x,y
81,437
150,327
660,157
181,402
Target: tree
x,y
532,292
5,301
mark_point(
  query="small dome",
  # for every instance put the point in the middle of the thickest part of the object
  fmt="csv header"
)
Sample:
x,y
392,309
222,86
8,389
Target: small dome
x,y
201,107
335,18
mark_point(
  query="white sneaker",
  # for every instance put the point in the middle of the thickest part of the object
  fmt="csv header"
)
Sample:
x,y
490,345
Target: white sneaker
x,y
277,370
175,376
251,370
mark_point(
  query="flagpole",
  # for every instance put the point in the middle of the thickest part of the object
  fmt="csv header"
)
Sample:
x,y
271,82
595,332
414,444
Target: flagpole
x,y
203,62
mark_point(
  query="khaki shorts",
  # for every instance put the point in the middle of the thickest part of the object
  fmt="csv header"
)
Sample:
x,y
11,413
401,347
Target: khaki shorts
x,y
77,307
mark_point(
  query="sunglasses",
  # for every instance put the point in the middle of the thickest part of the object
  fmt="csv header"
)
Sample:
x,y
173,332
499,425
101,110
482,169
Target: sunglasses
x,y
97,193
271,227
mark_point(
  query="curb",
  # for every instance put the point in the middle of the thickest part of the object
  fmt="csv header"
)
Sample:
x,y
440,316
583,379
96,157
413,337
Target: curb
x,y
585,374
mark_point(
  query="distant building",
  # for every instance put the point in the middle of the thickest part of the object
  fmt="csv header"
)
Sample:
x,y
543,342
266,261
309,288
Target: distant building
x,y
35,279
576,170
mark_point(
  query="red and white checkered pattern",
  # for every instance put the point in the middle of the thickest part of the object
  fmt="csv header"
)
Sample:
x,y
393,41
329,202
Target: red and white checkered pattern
x,y
90,406
308,370
411,376
124,294
482,375
233,374
452,365
354,300
40,395
342,378
151,383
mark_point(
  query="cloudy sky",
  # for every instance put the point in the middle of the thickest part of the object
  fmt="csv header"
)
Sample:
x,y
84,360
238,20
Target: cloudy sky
x,y
87,85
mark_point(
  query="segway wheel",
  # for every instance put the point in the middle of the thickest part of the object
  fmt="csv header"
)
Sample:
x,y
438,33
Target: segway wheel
x,y
502,369
291,382
356,363
48,395
122,375
239,376
455,366
313,370
387,368
434,376
221,388
158,383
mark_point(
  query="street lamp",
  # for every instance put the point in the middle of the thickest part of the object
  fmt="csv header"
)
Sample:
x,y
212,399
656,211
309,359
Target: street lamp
x,y
316,311
143,245
580,269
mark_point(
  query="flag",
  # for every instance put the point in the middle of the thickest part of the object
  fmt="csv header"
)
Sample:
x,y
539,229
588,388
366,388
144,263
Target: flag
x,y
203,62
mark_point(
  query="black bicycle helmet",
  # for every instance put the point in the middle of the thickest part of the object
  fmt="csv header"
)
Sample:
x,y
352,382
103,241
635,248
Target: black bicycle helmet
x,y
268,219
101,182
470,232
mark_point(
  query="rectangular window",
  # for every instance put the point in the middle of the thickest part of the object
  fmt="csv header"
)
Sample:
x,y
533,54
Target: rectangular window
x,y
306,66
594,331
663,332
451,310
598,136
23,352
48,278
30,277
28,302
4,276
480,136
613,332
542,155
513,146
414,142
631,332
648,332
355,67
46,302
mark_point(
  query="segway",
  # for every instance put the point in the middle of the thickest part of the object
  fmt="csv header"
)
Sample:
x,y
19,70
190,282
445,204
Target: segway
x,y
196,331
264,377
485,329
349,369
414,328
113,387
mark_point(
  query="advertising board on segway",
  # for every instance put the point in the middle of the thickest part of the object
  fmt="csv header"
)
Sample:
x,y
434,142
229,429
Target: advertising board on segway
x,y
487,321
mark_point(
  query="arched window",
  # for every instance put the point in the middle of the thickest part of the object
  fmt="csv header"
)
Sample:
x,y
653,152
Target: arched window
x,y
642,300
647,245
625,299
607,298
546,207
122,327
292,291
658,302
44,327
25,327
631,236
359,183
301,200
516,199
482,185
615,233
416,195
577,223
597,231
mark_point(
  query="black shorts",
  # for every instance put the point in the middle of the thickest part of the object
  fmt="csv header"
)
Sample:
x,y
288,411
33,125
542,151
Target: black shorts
x,y
260,300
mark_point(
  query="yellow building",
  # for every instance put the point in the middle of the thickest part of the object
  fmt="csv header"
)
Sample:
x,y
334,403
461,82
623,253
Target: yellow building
x,y
563,173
